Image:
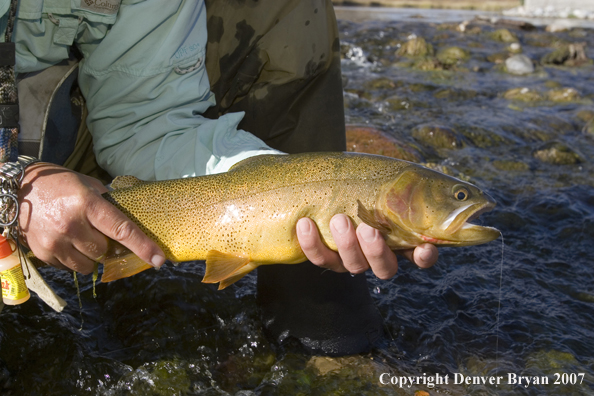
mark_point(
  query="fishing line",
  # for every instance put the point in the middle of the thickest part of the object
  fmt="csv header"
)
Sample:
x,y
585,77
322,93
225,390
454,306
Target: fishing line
x,y
499,304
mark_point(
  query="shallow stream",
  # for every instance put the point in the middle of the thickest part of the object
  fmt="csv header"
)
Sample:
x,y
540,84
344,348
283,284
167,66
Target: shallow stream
x,y
528,140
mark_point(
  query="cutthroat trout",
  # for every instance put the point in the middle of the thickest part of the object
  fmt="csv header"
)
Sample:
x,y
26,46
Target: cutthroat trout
x,y
247,217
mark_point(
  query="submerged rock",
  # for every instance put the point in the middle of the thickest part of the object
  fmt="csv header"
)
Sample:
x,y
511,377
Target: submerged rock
x,y
416,46
563,95
452,55
519,64
437,136
372,141
511,166
428,64
523,94
557,153
504,35
573,54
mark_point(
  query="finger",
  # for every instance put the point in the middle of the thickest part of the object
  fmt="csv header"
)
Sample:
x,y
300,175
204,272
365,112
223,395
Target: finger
x,y
313,247
76,261
424,256
93,245
381,259
346,240
108,220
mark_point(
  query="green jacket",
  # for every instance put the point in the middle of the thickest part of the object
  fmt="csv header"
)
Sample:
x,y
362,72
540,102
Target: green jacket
x,y
144,81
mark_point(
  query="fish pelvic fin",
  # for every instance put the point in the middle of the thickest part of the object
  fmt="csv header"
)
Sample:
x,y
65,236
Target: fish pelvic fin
x,y
122,265
370,219
220,266
125,182
238,275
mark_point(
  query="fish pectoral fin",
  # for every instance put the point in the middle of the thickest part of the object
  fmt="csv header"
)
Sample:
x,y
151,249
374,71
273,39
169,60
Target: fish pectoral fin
x,y
369,218
220,266
122,265
238,275
125,182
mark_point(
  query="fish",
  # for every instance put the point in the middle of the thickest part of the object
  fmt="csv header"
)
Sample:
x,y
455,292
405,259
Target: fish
x,y
244,218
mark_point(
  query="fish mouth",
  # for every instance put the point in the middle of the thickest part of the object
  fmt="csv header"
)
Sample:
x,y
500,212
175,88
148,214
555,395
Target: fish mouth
x,y
465,233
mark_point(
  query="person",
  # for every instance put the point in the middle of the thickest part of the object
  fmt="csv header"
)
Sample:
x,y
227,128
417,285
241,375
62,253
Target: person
x,y
163,104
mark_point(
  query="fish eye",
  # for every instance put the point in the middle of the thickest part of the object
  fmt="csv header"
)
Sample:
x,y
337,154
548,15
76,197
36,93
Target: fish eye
x,y
461,193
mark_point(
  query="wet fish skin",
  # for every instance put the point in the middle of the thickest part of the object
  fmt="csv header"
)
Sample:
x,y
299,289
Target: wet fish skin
x,y
246,217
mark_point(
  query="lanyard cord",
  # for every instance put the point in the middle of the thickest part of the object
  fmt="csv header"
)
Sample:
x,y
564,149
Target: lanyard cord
x,y
9,110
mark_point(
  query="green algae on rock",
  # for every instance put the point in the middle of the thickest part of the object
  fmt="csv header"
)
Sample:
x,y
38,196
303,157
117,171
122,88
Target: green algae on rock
x,y
523,94
437,136
557,153
450,56
416,46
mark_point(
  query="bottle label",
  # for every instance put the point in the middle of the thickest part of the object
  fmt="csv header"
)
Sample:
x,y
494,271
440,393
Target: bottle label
x,y
13,284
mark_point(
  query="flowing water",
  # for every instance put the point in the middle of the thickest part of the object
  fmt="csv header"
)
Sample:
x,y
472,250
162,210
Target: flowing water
x,y
527,140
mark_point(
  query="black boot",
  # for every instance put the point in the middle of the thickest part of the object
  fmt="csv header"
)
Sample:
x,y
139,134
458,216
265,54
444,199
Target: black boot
x,y
329,313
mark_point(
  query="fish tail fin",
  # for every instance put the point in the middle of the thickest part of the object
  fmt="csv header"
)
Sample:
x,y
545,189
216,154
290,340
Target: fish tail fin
x,y
238,275
220,266
122,265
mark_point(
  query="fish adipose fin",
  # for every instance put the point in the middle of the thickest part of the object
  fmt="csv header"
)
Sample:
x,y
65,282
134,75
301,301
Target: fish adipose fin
x,y
368,218
122,265
220,266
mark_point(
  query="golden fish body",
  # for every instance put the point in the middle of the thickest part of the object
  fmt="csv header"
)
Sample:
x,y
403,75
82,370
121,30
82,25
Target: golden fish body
x,y
246,217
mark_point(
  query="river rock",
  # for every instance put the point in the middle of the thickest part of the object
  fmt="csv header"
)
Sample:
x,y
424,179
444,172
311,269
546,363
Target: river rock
x,y
437,136
372,141
428,63
519,64
572,54
416,46
452,55
557,153
523,94
563,95
504,35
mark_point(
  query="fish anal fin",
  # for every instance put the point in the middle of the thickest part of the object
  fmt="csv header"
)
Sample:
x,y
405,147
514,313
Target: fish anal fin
x,y
370,219
125,182
122,265
238,275
220,266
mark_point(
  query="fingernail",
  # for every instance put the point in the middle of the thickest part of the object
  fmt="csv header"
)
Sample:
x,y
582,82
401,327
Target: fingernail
x,y
158,260
304,227
425,254
340,224
368,234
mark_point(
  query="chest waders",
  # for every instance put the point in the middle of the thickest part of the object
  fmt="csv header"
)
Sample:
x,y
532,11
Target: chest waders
x,y
279,62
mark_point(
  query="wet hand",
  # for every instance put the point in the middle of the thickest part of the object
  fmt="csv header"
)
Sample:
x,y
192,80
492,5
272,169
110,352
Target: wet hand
x,y
66,223
358,249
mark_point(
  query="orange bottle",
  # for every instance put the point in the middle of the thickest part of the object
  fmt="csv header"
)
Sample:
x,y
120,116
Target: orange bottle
x,y
14,289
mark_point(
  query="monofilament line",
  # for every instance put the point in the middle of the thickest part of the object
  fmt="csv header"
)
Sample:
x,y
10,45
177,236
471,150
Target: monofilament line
x,y
499,306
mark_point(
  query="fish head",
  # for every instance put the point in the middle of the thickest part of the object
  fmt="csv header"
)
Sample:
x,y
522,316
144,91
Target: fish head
x,y
436,208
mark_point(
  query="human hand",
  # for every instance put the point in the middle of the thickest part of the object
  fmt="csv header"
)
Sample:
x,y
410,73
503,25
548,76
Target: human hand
x,y
358,250
66,222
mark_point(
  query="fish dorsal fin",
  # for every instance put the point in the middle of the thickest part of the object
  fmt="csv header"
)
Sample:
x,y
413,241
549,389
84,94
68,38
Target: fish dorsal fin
x,y
238,275
368,218
122,264
220,266
125,181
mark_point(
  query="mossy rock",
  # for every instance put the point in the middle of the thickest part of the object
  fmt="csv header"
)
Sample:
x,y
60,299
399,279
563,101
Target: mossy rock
x,y
452,55
414,47
557,153
437,136
455,94
397,103
564,95
428,63
498,57
585,115
381,83
523,94
504,36
567,54
511,166
589,128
